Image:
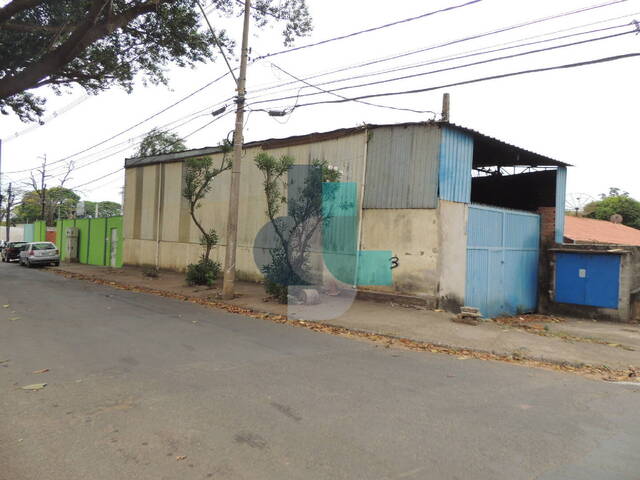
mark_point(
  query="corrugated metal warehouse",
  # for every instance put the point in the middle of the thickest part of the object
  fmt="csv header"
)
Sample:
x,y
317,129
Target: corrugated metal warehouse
x,y
461,210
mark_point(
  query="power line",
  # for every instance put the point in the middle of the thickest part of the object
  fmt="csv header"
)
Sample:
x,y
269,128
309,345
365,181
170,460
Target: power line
x,y
137,124
369,30
190,118
482,79
456,67
456,41
140,159
359,101
449,58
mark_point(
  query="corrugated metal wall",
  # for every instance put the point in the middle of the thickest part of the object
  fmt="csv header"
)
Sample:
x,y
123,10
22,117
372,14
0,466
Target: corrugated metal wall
x,y
456,160
502,260
402,167
561,192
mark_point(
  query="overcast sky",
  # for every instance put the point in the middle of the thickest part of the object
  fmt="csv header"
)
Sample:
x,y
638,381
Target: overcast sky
x,y
587,116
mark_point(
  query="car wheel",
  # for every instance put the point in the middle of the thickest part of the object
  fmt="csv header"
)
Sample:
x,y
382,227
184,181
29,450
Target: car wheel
x,y
29,264
56,264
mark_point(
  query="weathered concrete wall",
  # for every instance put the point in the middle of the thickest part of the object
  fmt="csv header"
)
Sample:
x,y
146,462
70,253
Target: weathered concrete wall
x,y
453,254
179,237
412,235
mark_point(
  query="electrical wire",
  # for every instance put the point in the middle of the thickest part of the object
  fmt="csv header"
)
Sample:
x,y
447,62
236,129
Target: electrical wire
x,y
449,58
359,101
482,79
217,79
457,67
460,40
369,30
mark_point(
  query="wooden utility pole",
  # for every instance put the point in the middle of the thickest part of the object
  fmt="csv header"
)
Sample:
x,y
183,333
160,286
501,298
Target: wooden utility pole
x,y
234,192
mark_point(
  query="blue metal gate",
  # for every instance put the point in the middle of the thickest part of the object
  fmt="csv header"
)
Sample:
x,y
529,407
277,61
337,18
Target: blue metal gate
x,y
502,260
588,279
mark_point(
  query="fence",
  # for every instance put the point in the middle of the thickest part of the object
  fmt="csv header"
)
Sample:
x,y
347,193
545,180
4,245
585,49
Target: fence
x,y
35,232
99,240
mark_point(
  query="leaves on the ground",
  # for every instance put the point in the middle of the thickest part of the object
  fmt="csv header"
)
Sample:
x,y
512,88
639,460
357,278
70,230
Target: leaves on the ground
x,y
462,353
43,370
181,457
34,386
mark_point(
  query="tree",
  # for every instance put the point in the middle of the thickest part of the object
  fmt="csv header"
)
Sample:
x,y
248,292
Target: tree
x,y
101,43
105,209
59,202
198,181
289,264
159,141
615,202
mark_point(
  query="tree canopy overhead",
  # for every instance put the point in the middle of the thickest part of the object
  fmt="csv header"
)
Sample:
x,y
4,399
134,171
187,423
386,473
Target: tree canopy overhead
x,y
101,43
159,141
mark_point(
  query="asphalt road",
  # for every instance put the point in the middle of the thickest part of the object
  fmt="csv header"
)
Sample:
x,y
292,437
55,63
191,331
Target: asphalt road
x,y
137,382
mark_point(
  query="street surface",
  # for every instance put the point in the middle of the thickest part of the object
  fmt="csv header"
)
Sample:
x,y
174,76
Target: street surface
x,y
145,387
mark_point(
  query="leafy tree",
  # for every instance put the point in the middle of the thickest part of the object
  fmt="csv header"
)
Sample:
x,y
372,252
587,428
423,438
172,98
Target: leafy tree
x,y
159,141
101,43
289,264
59,201
615,202
105,209
198,181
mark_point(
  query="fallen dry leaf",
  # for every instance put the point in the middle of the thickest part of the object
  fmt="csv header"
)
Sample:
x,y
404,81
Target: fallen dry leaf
x,y
44,370
181,457
34,386
5,306
463,354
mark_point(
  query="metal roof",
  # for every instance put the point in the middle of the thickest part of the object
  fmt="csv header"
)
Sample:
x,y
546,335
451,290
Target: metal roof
x,y
488,151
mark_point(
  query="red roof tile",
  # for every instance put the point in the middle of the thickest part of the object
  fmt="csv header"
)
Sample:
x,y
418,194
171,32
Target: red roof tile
x,y
588,230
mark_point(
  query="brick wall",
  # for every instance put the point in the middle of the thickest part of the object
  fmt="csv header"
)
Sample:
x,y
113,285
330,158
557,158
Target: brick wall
x,y
547,225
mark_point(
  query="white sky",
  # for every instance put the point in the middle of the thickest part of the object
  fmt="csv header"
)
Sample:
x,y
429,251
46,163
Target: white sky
x,y
584,116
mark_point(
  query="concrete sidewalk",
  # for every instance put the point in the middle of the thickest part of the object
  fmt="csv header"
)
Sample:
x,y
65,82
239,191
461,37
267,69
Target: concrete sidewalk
x,y
577,342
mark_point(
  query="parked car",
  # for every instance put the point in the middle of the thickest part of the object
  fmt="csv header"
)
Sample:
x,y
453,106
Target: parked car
x,y
12,251
39,253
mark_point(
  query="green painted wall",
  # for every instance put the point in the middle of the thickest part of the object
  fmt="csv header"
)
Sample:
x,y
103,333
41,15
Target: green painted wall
x,y
94,238
83,240
40,231
98,241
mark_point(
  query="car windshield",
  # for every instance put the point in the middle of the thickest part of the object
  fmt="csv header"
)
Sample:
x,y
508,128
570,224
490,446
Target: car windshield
x,y
16,244
43,246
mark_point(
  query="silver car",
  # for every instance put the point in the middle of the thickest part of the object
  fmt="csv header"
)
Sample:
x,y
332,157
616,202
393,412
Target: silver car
x,y
39,253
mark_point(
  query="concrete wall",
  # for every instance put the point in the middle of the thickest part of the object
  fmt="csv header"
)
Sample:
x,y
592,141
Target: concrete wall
x,y
412,236
174,234
453,254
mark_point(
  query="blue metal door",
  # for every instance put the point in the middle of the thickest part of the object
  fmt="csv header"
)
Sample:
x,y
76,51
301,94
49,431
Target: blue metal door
x,y
588,279
502,260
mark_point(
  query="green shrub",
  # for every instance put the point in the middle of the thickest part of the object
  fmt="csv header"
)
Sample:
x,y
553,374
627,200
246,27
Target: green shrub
x,y
279,276
205,272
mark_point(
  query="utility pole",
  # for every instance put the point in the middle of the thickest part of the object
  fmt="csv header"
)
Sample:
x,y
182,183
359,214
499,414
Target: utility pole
x,y
10,198
234,192
1,177
446,107
43,188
